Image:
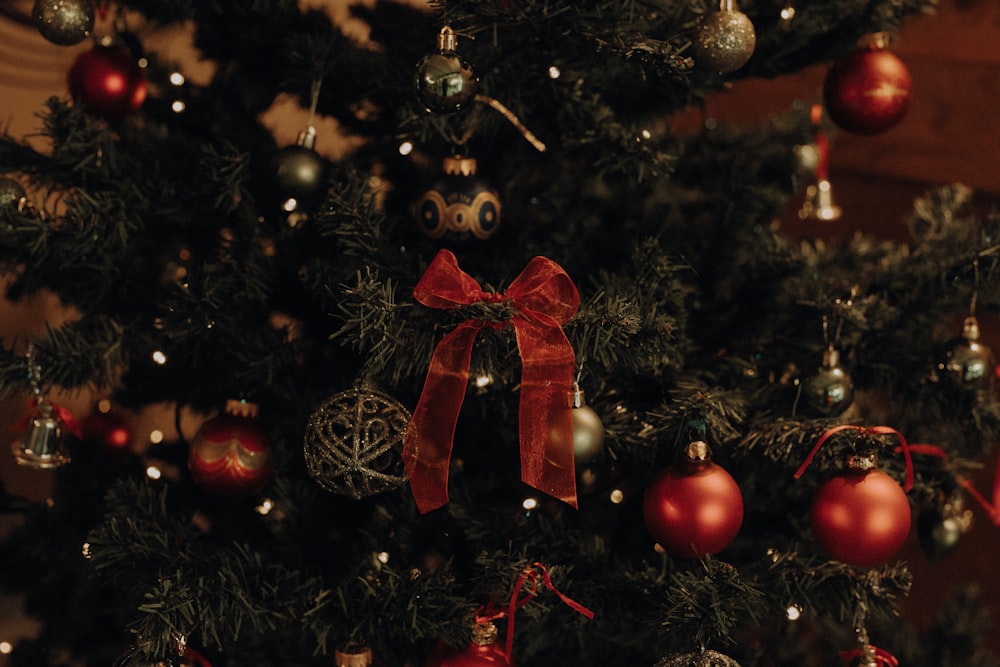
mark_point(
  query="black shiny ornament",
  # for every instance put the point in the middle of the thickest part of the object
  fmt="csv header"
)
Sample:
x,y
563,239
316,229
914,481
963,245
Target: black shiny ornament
x,y
64,22
830,391
300,176
459,207
11,193
966,363
445,80
940,529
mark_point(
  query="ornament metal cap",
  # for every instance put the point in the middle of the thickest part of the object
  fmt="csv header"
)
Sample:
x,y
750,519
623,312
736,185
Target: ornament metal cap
x,y
484,634
697,450
970,328
447,39
458,165
819,202
307,137
353,655
831,357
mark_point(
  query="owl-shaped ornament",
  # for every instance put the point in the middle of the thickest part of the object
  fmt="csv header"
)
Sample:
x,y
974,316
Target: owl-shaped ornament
x,y
459,207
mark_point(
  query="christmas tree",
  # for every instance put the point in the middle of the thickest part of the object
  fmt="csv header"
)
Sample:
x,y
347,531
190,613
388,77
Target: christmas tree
x,y
477,356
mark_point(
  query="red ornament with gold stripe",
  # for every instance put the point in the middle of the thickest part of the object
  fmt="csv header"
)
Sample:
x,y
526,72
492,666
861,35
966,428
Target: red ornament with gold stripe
x,y
231,454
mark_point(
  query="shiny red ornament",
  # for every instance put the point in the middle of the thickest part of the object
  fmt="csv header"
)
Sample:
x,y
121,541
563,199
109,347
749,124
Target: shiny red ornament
x,y
108,82
483,651
231,456
693,508
867,91
860,517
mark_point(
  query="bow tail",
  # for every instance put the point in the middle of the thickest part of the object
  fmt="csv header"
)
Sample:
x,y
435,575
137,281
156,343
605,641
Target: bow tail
x,y
545,412
430,434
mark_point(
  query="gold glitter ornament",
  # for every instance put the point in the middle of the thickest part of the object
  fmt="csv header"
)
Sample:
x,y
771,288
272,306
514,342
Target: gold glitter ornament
x,y
725,40
354,443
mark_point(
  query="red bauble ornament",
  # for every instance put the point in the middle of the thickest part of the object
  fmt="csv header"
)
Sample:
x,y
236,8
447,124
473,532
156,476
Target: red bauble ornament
x,y
483,651
231,456
108,82
867,91
860,517
693,508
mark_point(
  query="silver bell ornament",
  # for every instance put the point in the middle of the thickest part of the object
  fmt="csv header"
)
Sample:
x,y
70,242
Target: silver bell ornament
x,y
725,40
588,430
967,363
445,80
43,445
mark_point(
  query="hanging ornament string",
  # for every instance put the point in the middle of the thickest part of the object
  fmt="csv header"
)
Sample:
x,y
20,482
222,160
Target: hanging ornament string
x,y
36,399
863,431
317,84
992,509
541,299
527,582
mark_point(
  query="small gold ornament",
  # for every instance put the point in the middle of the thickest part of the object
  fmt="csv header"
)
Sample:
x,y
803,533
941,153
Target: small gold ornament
x,y
726,39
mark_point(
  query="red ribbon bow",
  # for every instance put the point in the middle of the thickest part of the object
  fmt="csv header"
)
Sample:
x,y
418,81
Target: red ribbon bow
x,y
543,299
992,509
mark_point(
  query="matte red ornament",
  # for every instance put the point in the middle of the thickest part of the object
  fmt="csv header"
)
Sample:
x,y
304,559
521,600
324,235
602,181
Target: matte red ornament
x,y
231,456
108,82
483,650
867,91
860,517
693,508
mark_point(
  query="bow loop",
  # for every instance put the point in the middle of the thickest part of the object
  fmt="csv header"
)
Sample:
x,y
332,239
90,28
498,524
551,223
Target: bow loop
x,y
444,285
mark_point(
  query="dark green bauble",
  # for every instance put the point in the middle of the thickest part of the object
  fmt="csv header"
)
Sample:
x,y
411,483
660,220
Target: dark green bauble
x,y
830,391
300,175
459,208
445,80
940,529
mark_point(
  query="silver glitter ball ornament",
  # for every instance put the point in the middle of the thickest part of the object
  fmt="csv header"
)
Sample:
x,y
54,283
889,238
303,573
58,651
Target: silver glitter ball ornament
x,y
354,443
64,22
725,40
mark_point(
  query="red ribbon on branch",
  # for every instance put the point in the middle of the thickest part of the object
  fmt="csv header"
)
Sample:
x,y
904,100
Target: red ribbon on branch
x,y
992,509
543,299
863,430
527,581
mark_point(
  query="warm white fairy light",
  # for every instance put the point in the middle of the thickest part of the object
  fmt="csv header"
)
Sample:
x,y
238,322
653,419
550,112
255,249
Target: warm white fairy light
x,y
787,13
86,550
554,72
383,557
159,357
794,612
617,496
6,648
265,507
153,472
484,381
178,106
156,436
646,134
177,78
405,148
529,504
